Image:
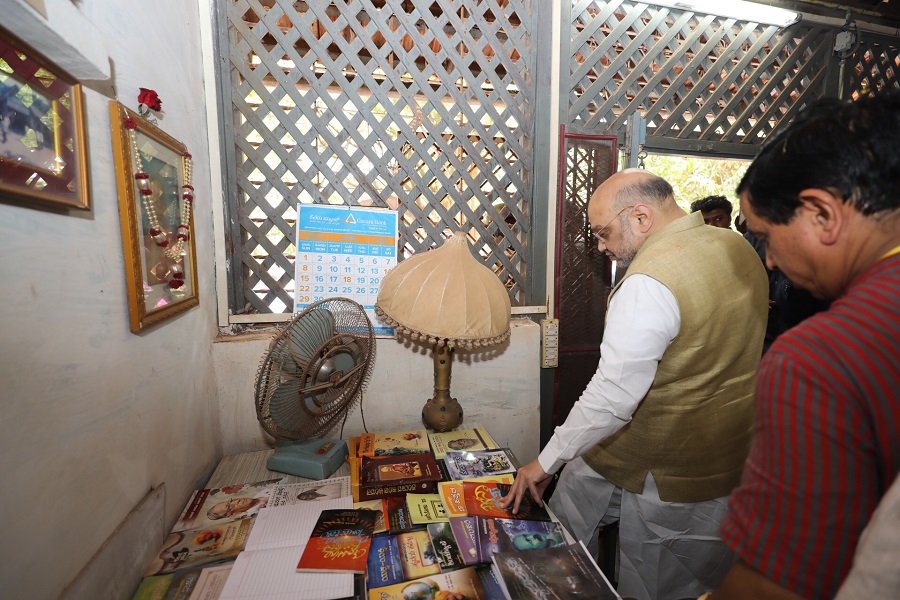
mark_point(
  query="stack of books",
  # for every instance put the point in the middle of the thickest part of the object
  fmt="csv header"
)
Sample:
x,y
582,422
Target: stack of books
x,y
419,516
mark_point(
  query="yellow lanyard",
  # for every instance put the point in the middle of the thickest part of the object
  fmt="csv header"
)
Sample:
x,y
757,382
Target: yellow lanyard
x,y
891,252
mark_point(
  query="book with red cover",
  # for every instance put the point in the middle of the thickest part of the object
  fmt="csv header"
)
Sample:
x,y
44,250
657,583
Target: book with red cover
x,y
339,542
482,499
384,476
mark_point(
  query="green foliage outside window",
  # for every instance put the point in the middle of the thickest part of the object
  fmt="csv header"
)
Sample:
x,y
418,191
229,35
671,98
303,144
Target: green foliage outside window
x,y
694,177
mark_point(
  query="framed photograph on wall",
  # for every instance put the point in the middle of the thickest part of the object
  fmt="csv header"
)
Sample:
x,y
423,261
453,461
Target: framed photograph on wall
x,y
153,177
43,146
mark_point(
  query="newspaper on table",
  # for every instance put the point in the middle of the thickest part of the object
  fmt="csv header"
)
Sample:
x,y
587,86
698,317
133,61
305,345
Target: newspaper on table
x,y
309,491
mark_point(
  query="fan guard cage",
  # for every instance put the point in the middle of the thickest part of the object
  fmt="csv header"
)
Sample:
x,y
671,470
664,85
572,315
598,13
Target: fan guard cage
x,y
315,370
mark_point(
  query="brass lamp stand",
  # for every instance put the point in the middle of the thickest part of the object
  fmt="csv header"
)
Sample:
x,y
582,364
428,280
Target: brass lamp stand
x,y
442,412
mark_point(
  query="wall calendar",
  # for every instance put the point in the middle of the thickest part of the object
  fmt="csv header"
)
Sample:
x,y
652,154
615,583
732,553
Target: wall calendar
x,y
344,252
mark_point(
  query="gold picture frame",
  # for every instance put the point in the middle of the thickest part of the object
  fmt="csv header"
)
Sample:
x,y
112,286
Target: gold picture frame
x,y
43,144
160,257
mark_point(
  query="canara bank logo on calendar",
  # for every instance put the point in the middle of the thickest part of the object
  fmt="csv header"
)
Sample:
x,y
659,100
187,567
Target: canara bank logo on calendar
x,y
344,252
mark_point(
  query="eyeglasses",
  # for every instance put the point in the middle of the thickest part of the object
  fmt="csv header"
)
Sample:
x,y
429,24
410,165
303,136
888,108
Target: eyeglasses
x,y
600,234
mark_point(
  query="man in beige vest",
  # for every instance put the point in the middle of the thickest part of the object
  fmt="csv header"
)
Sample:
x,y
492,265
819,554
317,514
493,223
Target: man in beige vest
x,y
659,437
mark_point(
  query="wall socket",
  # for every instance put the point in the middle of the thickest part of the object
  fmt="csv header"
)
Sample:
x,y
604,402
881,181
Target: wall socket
x,y
549,343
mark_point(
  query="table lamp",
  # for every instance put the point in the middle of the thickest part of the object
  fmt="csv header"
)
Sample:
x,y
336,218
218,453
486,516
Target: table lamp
x,y
448,299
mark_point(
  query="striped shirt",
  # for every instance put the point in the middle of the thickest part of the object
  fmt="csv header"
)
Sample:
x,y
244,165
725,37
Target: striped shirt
x,y
827,441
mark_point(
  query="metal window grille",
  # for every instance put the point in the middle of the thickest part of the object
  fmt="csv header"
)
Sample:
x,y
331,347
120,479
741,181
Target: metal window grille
x,y
874,67
703,83
425,107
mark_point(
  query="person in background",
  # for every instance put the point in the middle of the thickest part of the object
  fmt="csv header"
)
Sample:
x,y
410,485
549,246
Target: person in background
x,y
716,210
788,305
658,439
824,197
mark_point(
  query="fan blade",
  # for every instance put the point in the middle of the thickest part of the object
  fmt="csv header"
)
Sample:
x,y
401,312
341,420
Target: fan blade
x,y
309,332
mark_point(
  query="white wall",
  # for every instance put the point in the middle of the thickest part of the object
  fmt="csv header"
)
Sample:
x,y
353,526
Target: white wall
x,y
91,415
501,392
94,416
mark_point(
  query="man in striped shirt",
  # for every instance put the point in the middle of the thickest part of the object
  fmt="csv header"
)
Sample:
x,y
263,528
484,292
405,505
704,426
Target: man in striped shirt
x,y
824,196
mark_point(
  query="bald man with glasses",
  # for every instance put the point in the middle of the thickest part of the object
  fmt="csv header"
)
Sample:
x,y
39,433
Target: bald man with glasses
x,y
658,439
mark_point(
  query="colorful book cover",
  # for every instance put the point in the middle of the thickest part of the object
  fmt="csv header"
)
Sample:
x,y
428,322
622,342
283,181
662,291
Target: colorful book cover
x,y
464,583
464,530
383,567
212,507
474,437
482,499
339,541
451,493
559,572
192,547
505,535
481,463
445,547
399,519
381,514
309,491
394,443
426,508
417,556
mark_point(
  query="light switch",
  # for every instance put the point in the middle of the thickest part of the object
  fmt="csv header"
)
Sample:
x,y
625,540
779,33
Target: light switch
x,y
549,343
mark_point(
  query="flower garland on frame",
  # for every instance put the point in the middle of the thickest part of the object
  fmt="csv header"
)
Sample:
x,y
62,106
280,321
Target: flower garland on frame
x,y
175,252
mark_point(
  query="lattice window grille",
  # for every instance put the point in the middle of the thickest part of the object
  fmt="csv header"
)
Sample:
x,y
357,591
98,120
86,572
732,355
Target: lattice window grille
x,y
425,106
875,69
694,77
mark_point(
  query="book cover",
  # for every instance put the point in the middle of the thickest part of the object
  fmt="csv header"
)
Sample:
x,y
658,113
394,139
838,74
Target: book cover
x,y
560,572
505,535
482,499
339,541
445,547
309,491
417,556
383,476
426,508
381,514
451,493
399,519
192,547
464,583
480,463
383,566
393,444
212,507
474,437
466,535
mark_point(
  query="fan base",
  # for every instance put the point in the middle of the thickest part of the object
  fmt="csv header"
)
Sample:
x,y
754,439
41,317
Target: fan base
x,y
312,458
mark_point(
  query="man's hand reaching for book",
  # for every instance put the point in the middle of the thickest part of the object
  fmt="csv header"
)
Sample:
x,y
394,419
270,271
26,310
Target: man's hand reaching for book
x,y
529,479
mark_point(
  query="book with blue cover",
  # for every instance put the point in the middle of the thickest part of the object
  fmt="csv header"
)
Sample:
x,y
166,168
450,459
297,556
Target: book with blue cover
x,y
384,567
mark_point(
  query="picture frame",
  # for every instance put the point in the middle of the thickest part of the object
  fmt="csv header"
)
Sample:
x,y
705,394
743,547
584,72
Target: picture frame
x,y
159,251
43,140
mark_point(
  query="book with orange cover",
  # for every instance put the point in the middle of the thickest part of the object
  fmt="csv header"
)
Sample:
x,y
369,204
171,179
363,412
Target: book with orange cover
x,y
482,499
451,493
339,542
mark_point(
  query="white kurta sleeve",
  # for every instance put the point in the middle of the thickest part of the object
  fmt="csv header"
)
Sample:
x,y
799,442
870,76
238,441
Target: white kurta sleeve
x,y
641,322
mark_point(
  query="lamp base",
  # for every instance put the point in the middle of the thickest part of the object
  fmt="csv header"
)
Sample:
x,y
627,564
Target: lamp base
x,y
442,415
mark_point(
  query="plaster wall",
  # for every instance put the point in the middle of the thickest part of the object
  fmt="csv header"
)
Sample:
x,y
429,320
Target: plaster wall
x,y
500,390
94,416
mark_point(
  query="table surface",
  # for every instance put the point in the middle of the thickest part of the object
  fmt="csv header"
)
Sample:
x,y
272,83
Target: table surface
x,y
251,466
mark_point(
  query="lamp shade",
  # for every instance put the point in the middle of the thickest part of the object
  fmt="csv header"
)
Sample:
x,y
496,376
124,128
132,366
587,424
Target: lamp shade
x,y
446,296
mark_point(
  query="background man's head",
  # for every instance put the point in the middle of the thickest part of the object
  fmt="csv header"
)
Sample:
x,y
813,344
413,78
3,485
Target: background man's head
x,y
716,210
824,193
629,207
